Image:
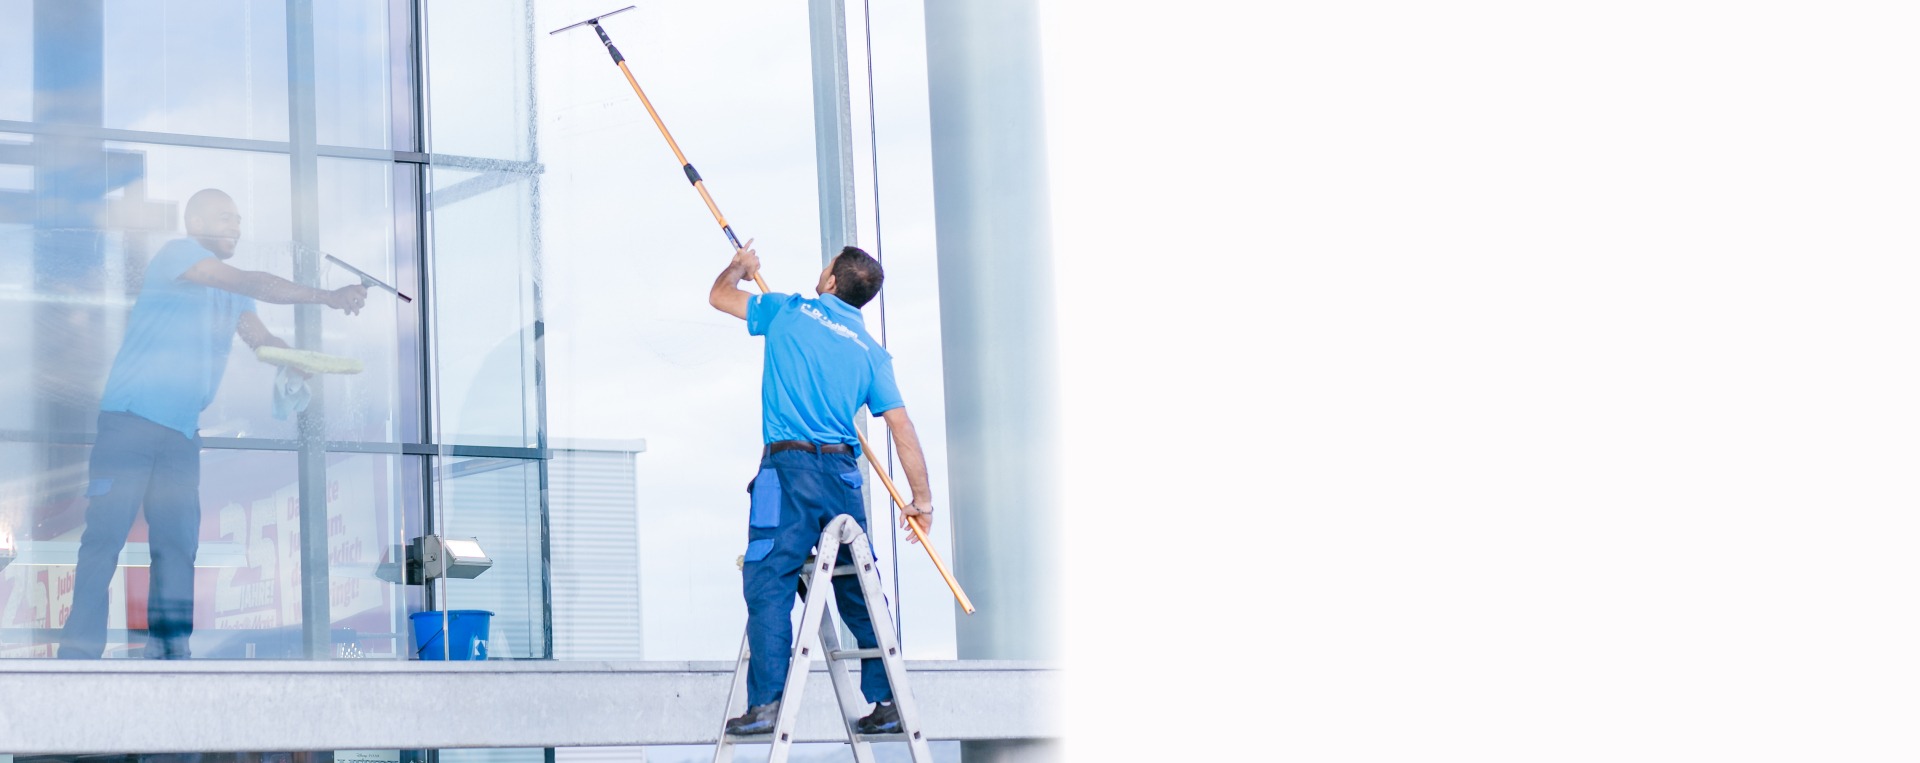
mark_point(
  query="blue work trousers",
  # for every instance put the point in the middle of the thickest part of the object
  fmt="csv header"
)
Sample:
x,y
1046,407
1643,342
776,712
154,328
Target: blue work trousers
x,y
136,463
795,495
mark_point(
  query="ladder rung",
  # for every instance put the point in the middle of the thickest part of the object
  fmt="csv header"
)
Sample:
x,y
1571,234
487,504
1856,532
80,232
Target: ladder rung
x,y
838,570
881,737
854,654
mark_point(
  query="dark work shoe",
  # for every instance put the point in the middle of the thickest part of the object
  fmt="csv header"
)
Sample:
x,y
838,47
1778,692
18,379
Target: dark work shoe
x,y
757,720
885,719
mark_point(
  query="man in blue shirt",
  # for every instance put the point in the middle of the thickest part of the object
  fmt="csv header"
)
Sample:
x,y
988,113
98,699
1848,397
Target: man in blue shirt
x,y
147,452
820,367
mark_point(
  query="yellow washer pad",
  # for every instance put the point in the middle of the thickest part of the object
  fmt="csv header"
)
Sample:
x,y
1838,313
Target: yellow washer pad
x,y
310,361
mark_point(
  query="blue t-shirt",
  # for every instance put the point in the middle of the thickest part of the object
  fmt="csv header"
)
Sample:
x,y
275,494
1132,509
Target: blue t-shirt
x,y
821,366
170,363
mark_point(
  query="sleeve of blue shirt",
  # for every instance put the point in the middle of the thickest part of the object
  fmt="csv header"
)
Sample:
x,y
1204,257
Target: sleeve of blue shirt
x,y
762,308
174,260
243,304
884,395
178,257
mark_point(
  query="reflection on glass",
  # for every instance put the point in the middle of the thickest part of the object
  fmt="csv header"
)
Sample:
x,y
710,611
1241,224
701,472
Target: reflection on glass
x,y
342,756
497,502
504,756
16,60
202,67
356,226
132,270
167,369
37,502
483,297
352,73
206,67
146,455
478,67
242,549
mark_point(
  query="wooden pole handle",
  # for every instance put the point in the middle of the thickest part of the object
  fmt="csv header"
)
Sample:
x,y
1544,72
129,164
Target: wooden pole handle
x,y
966,604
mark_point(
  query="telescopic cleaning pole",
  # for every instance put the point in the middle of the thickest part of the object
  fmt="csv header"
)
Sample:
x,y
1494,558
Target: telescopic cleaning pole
x,y
693,176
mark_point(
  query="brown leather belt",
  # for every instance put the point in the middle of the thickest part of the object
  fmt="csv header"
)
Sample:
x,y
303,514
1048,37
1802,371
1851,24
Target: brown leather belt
x,y
832,447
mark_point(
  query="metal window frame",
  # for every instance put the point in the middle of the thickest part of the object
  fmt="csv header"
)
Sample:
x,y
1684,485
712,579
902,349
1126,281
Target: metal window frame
x,y
455,161
496,173
410,131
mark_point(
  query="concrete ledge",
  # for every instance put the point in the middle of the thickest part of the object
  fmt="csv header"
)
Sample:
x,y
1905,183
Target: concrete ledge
x,y
137,706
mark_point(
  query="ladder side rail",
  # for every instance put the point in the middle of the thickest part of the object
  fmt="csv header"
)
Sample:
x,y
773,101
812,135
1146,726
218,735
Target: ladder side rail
x,y
723,750
880,612
819,577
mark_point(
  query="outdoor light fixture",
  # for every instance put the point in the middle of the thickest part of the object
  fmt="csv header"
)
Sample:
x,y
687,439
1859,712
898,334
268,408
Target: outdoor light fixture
x,y
431,556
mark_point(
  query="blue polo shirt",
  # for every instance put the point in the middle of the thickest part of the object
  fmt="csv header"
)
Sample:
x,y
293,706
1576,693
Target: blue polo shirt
x,y
175,351
821,366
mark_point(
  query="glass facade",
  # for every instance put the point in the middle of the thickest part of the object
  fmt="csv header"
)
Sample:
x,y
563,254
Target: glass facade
x,y
558,265
163,492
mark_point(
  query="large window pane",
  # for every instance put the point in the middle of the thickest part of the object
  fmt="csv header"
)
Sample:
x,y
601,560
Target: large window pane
x,y
478,78
259,185
353,72
357,220
635,250
257,608
36,501
245,588
73,262
632,346
483,276
16,60
498,502
206,67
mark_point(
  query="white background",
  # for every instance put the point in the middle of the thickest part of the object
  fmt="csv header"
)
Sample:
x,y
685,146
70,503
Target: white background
x,y
1489,380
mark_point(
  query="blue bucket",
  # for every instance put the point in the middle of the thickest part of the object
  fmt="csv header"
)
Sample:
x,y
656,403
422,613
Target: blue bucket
x,y
469,628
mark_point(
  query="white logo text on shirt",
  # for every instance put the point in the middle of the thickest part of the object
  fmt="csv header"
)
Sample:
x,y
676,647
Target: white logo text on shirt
x,y
811,312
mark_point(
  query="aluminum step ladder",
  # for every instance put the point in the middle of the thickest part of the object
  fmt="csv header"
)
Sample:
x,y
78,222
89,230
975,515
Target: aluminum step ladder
x,y
822,616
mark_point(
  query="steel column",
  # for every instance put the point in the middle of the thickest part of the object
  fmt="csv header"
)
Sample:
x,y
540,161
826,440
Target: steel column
x,y
316,615
996,319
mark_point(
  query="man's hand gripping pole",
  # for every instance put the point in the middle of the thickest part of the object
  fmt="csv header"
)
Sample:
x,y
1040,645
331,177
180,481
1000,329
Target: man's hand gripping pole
x,y
966,604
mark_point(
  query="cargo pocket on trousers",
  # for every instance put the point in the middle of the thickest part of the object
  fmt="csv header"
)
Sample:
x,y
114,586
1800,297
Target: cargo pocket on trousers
x,y
765,511
852,479
758,550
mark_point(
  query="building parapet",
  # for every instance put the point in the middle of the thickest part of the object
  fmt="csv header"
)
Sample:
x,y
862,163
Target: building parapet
x,y
53,707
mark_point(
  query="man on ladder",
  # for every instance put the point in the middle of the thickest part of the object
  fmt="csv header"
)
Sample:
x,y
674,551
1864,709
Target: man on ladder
x,y
820,367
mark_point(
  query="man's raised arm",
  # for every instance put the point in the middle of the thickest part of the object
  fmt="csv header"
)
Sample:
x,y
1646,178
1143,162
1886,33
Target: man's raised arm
x,y
726,295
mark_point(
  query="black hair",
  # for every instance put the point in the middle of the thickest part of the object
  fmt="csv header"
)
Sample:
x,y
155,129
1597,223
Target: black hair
x,y
857,276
